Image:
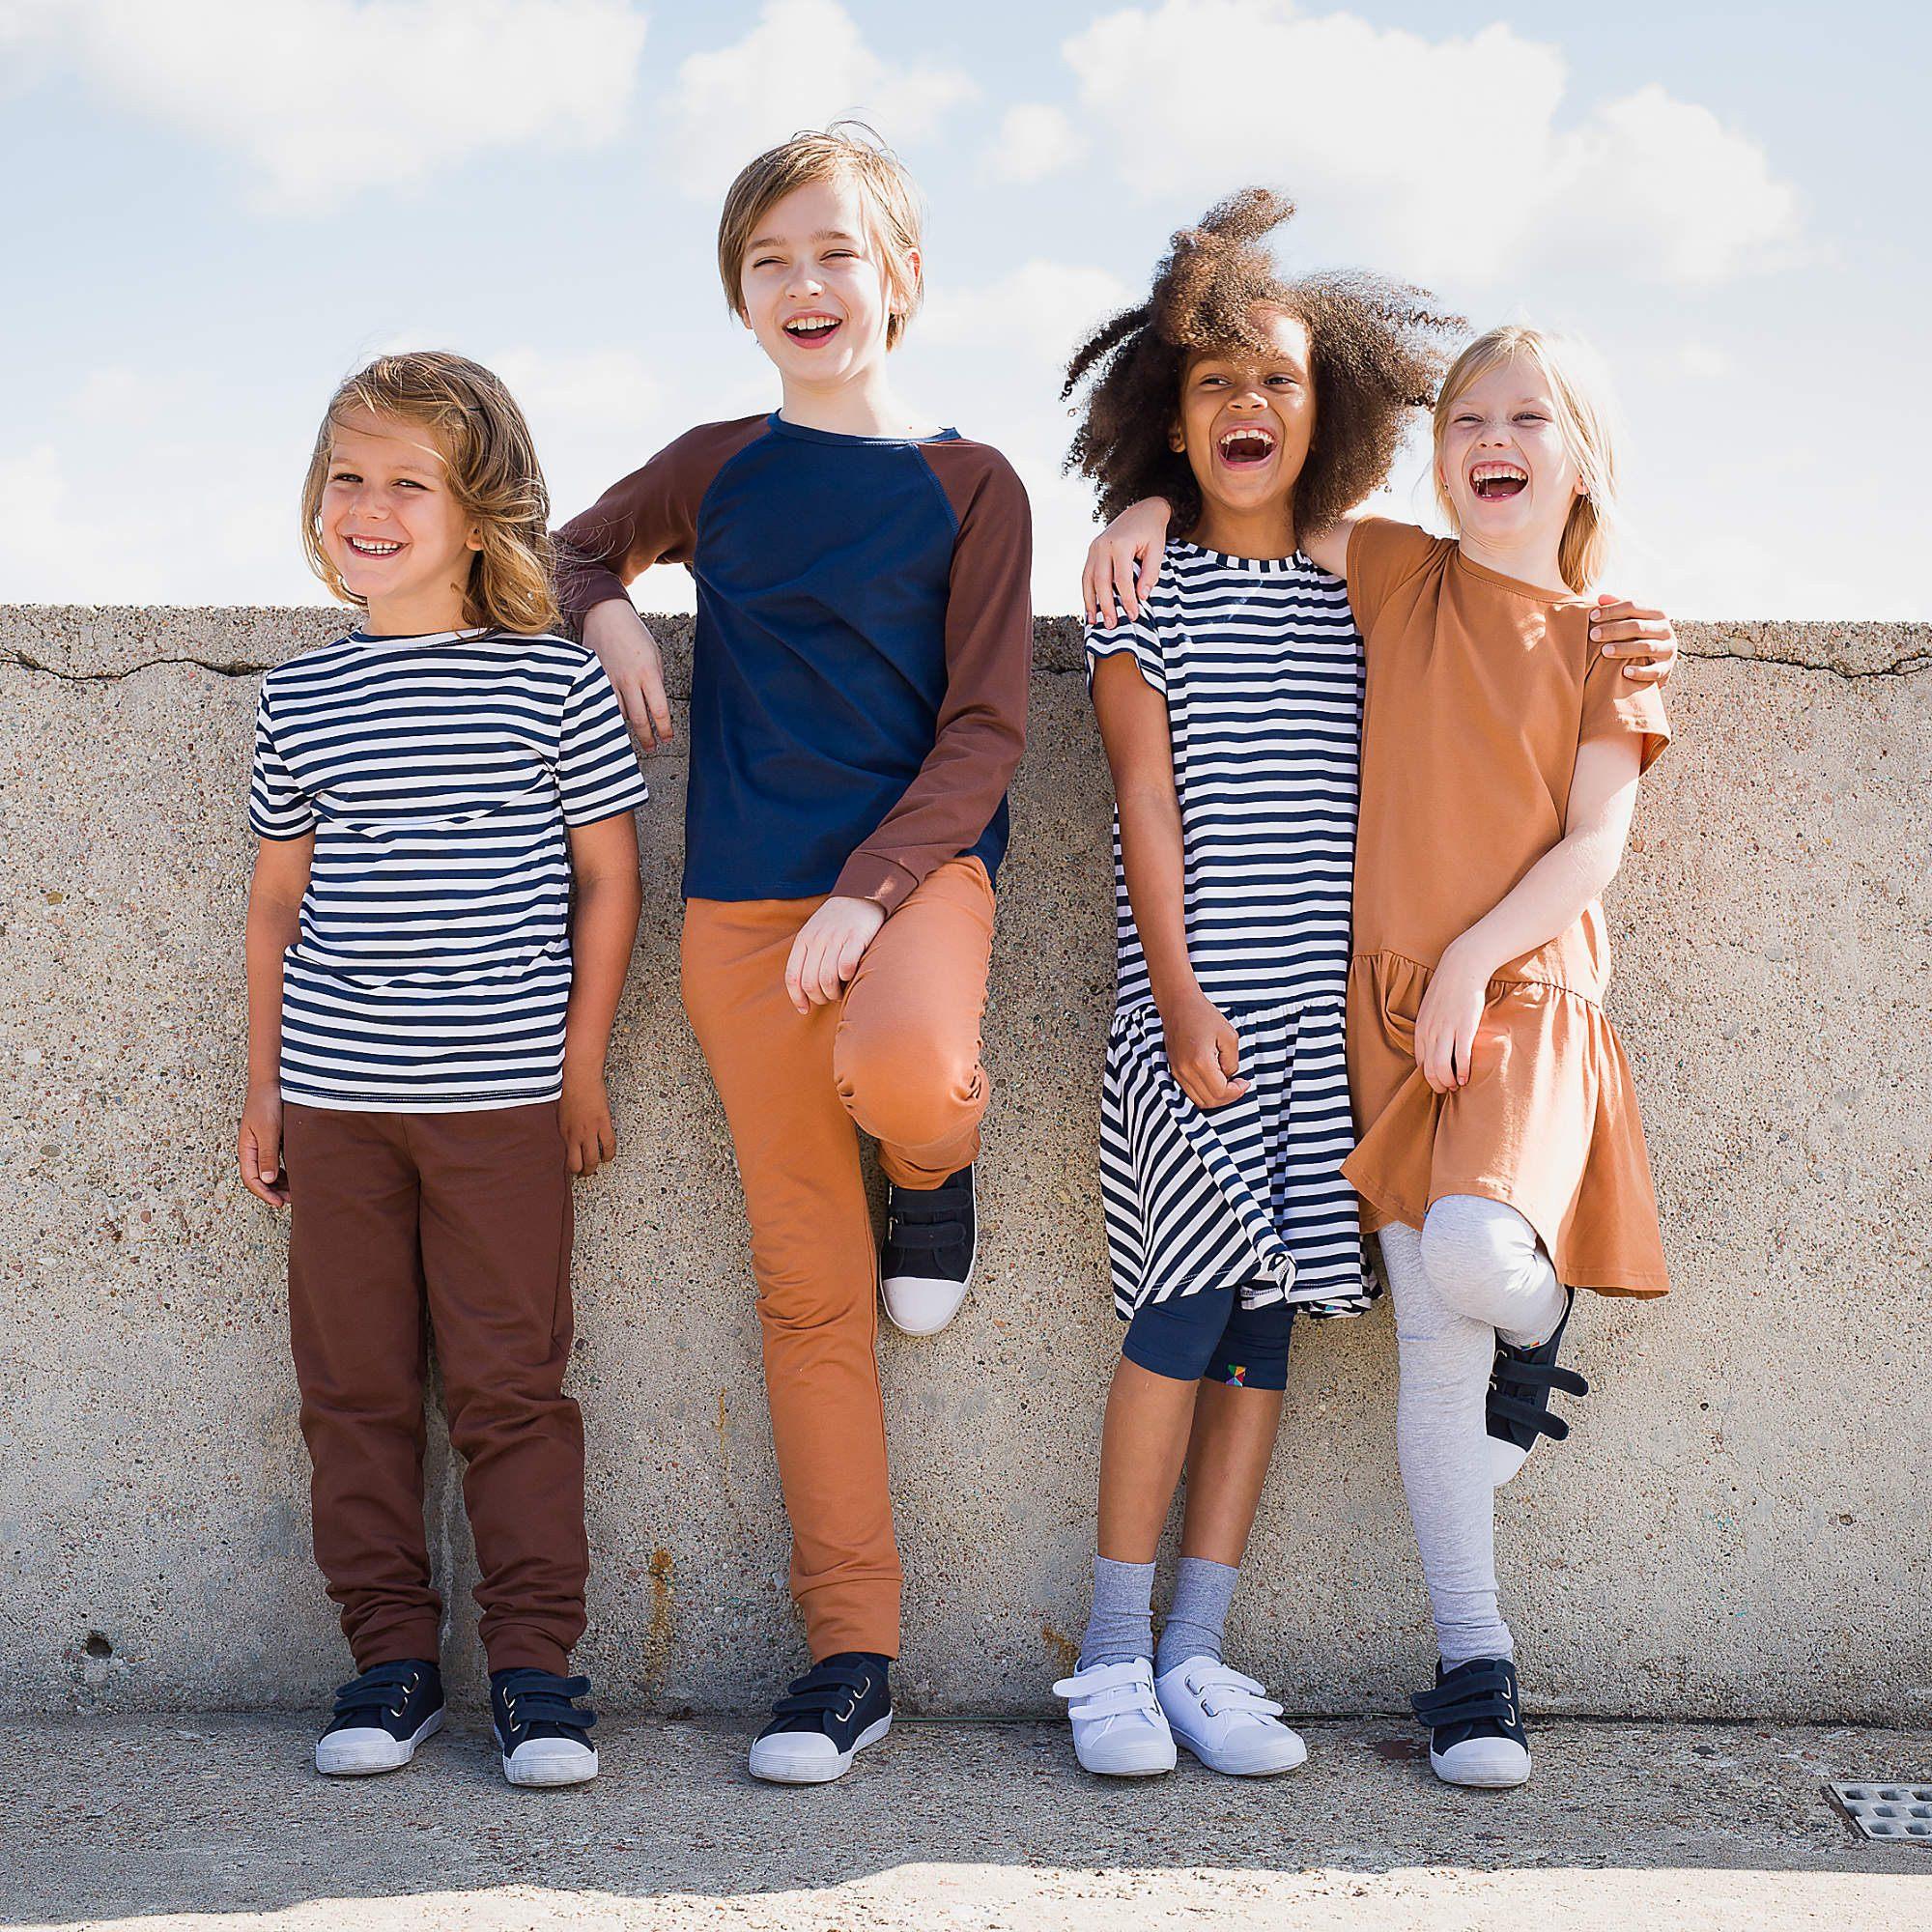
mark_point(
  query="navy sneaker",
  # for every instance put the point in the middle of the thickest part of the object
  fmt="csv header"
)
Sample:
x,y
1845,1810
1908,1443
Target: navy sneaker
x,y
927,1264
1474,1720
543,1736
381,1718
1518,1403
825,1719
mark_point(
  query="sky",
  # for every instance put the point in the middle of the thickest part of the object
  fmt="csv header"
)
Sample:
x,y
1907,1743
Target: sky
x,y
217,208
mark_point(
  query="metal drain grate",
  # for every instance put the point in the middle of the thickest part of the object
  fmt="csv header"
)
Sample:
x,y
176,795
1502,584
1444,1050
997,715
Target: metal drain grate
x,y
1897,1814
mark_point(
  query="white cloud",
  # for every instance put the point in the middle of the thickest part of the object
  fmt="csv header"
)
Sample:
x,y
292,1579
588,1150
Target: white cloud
x,y
322,100
803,64
1043,307
1705,361
1458,158
602,386
1034,141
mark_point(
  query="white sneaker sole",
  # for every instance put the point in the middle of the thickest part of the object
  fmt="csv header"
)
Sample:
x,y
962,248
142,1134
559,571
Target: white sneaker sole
x,y
776,1760
1148,1764
1291,1755
366,1752
1473,1774
930,1326
549,1770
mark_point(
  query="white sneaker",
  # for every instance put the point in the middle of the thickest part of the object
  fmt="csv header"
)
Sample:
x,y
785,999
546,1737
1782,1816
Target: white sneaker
x,y
1227,1721
1119,1728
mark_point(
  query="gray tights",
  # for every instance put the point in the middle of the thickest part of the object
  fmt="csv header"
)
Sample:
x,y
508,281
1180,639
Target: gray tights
x,y
1474,1271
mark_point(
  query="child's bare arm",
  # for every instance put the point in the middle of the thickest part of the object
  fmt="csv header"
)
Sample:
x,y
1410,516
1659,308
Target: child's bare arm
x,y
274,922
603,931
1202,1046
1549,900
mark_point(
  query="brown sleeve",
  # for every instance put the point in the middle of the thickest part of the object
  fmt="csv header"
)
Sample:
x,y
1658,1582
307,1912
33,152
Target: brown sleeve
x,y
981,728
1381,553
649,517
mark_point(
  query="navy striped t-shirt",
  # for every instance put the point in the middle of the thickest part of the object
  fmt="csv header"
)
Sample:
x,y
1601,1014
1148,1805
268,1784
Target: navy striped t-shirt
x,y
438,773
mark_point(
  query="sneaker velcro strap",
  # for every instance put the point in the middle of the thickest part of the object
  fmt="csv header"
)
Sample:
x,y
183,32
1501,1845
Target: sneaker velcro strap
x,y
1109,1690
544,1699
1466,1697
1114,1702
1511,1373
823,1686
385,1688
1538,1420
907,1234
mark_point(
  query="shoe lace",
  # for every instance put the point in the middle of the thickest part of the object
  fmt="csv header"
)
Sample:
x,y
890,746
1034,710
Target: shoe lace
x,y
1110,1691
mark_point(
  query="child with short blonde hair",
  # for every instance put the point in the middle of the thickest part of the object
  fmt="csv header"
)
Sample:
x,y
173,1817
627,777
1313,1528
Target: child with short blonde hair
x,y
858,705
445,901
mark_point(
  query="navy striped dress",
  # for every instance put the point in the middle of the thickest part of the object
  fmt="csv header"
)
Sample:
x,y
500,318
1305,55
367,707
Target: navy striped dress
x,y
431,972
1262,669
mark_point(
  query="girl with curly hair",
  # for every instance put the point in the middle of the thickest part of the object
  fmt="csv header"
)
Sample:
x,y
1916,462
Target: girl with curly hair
x,y
1501,1155
1230,707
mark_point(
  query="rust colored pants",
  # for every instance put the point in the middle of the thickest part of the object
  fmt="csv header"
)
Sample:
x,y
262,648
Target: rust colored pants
x,y
459,1224
899,1055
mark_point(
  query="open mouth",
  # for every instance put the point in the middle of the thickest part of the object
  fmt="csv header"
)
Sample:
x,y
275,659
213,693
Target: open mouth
x,y
812,331
1492,481
1246,447
373,546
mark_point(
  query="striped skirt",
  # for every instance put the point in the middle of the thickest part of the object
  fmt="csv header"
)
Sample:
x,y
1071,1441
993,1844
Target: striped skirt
x,y
1250,1195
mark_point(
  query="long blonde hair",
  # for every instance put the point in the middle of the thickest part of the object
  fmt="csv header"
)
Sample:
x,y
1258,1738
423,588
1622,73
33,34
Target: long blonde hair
x,y
492,473
1585,418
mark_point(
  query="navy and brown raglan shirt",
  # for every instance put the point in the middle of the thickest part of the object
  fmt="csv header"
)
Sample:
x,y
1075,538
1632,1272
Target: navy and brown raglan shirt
x,y
859,676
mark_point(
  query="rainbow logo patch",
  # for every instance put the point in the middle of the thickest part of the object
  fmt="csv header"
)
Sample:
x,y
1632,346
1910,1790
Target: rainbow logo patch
x,y
1237,1376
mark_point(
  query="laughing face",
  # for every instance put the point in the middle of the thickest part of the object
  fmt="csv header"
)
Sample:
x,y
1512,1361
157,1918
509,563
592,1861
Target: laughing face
x,y
397,536
818,292
1504,463
1245,423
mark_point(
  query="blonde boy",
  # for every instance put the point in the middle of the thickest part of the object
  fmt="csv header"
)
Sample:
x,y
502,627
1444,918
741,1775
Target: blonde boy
x,y
858,706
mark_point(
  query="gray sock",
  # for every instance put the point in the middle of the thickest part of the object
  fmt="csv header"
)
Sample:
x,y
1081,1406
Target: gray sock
x,y
1121,1628
1203,1590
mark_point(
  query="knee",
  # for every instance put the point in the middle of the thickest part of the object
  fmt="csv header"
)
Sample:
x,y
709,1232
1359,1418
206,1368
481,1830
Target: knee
x,y
1480,1255
907,1084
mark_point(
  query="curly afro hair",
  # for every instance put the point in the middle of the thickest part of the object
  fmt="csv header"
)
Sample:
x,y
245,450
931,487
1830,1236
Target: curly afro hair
x,y
1378,349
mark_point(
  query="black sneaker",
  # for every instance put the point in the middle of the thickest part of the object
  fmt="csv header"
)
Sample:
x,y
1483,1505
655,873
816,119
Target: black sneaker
x,y
381,1718
927,1262
543,1736
1474,1720
827,1717
1519,1405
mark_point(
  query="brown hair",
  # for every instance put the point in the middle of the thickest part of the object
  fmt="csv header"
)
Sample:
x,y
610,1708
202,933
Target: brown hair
x,y
1375,346
1585,417
846,151
492,471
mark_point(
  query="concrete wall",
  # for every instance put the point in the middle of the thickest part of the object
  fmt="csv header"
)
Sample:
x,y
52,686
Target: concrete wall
x,y
1738,1527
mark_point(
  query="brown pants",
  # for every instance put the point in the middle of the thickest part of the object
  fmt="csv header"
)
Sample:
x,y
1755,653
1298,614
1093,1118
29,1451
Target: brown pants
x,y
900,1055
461,1224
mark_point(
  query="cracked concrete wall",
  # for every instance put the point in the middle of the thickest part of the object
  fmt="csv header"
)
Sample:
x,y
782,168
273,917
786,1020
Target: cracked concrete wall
x,y
1737,1527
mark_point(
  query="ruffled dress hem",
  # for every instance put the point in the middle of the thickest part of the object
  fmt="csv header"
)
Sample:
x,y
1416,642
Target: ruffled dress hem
x,y
1548,1123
